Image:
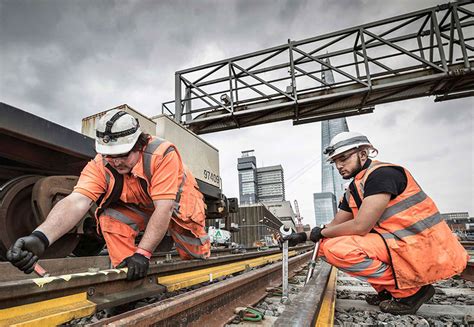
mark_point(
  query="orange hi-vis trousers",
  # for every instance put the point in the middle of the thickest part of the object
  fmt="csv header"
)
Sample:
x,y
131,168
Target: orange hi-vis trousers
x,y
364,257
120,226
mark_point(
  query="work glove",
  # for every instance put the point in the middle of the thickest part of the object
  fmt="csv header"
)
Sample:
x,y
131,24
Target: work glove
x,y
295,238
137,265
316,235
26,251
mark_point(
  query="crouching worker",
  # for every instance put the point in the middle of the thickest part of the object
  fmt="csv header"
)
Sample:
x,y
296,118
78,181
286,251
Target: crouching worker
x,y
388,231
139,183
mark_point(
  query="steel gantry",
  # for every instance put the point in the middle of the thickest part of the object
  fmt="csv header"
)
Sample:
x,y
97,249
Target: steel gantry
x,y
423,53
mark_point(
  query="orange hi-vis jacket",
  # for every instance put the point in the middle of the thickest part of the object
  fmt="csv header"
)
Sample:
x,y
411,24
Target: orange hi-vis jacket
x,y
420,244
189,208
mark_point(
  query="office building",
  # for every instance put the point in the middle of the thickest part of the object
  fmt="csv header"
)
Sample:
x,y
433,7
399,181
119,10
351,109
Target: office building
x,y
270,184
264,184
324,207
247,169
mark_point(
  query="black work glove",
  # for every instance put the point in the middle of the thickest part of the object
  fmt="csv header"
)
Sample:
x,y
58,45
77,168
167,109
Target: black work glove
x,y
26,251
295,238
316,235
137,265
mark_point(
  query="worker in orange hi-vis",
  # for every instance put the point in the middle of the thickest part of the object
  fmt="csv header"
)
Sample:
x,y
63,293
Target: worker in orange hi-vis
x,y
388,231
139,183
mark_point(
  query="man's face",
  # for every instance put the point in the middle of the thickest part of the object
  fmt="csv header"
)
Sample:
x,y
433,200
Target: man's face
x,y
349,163
123,163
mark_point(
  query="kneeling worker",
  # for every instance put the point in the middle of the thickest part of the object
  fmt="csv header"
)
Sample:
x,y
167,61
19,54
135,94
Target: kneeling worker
x,y
388,232
139,183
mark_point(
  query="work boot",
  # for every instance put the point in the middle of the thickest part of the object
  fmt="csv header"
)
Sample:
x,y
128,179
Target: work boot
x,y
375,299
410,304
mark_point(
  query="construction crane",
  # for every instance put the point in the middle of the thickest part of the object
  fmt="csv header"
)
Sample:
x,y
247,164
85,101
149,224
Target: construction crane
x,y
299,224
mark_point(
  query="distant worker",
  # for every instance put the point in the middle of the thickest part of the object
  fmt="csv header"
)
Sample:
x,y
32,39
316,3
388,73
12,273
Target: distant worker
x,y
139,183
388,232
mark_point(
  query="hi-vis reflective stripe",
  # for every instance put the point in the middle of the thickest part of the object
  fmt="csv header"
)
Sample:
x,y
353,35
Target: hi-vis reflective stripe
x,y
380,271
142,214
416,228
48,313
403,205
362,266
147,156
192,240
192,254
121,217
178,196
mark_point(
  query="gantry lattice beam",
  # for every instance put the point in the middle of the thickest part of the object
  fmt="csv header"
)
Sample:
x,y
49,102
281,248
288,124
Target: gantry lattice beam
x,y
429,52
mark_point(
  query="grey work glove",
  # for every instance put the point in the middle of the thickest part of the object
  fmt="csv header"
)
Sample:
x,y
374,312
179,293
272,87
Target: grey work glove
x,y
26,251
137,265
295,238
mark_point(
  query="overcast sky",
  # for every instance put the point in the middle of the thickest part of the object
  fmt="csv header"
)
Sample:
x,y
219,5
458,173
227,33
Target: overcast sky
x,y
65,60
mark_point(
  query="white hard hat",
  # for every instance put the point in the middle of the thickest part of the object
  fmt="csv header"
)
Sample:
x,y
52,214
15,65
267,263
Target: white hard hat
x,y
116,133
345,141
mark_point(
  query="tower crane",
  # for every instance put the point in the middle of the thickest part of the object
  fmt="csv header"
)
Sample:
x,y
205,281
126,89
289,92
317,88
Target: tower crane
x,y
299,224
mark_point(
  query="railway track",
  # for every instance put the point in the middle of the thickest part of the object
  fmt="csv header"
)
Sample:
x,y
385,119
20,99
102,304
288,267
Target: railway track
x,y
58,299
226,290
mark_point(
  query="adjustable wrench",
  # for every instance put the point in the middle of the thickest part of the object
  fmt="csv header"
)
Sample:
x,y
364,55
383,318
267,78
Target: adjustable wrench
x,y
284,297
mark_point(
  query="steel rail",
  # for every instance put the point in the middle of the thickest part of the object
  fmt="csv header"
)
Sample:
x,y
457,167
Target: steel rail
x,y
94,291
97,282
71,265
194,306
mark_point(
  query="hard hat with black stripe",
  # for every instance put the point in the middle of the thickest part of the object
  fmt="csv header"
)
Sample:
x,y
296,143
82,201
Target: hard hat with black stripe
x,y
346,141
116,133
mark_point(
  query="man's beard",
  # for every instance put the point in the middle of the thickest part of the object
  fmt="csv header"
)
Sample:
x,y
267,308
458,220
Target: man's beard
x,y
356,170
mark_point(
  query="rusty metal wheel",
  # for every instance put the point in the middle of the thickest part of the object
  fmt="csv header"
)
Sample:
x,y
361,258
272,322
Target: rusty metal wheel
x,y
82,240
16,215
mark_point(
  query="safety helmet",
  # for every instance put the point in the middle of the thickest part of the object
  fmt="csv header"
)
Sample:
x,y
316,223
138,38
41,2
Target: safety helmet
x,y
345,141
116,133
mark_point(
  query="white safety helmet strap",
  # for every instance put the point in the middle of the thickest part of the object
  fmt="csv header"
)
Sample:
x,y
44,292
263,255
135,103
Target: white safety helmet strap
x,y
116,133
108,135
356,141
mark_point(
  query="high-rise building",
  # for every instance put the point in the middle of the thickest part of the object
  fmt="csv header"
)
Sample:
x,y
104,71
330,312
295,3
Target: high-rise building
x,y
247,168
331,179
332,182
324,207
270,184
264,184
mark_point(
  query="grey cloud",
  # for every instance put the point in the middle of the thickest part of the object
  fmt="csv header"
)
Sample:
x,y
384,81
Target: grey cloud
x,y
65,60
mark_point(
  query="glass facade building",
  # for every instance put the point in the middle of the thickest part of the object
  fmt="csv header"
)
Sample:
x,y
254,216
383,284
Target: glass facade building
x,y
270,184
324,207
247,169
332,182
265,184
